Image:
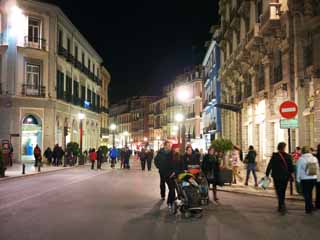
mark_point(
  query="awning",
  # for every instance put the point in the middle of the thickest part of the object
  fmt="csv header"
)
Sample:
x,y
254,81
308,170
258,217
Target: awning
x,y
229,106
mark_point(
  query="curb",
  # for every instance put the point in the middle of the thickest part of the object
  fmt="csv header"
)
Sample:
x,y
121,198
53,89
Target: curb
x,y
37,173
260,195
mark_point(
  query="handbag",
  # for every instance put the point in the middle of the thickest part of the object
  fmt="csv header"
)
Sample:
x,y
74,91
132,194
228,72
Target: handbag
x,y
264,183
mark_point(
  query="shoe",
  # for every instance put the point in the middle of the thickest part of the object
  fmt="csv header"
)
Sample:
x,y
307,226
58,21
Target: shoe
x,y
309,212
246,184
216,199
256,185
163,198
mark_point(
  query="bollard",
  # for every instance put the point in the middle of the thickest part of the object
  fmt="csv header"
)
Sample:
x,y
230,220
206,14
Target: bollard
x,y
23,169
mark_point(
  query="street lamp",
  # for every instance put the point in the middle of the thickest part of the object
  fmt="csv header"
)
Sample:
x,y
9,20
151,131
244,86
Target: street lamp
x,y
81,116
183,94
113,128
179,119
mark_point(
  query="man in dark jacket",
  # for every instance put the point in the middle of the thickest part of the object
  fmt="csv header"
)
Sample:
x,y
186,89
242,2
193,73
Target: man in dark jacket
x,y
163,162
149,158
99,158
281,168
250,160
143,158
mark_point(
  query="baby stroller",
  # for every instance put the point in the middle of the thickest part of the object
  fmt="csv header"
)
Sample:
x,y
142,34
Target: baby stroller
x,y
203,183
189,195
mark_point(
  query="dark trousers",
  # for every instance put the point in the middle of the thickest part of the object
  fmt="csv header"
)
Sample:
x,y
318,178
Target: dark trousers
x,y
127,163
307,188
99,162
143,164
280,185
318,195
113,162
149,164
251,167
162,186
172,190
92,164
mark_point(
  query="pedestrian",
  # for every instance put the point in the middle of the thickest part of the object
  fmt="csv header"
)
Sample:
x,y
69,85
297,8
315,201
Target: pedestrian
x,y
48,155
296,156
55,155
10,155
307,174
177,160
60,154
93,157
211,168
150,154
235,162
68,158
191,159
99,157
127,155
163,161
37,156
281,168
122,153
113,155
318,180
143,158
251,162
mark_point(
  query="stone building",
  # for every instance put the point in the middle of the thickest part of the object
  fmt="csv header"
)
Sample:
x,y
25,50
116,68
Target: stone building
x,y
184,96
50,75
262,47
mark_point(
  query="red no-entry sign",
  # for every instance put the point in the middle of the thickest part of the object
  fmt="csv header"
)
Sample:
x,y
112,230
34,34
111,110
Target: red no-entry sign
x,y
288,109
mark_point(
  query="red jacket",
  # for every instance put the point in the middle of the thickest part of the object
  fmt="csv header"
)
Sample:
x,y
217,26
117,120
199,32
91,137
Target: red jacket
x,y
93,156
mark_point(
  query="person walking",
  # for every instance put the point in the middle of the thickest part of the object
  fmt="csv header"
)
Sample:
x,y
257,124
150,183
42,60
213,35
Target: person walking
x,y
211,168
10,155
149,158
113,155
250,160
177,160
307,174
37,156
99,158
127,155
317,204
281,168
191,159
235,162
143,158
55,155
48,155
163,161
93,157
122,153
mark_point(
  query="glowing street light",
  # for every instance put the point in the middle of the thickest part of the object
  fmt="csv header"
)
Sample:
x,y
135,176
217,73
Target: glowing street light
x,y
179,117
113,128
183,94
145,139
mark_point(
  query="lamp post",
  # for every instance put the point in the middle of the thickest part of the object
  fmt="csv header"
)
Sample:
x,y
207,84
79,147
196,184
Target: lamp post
x,y
179,119
158,139
81,116
113,128
183,95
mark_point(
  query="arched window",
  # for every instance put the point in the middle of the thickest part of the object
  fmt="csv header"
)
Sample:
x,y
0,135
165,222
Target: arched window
x,y
30,119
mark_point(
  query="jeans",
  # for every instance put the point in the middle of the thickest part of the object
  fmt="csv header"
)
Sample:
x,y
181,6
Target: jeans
x,y
172,190
280,185
307,188
92,164
127,163
149,164
318,195
143,164
251,167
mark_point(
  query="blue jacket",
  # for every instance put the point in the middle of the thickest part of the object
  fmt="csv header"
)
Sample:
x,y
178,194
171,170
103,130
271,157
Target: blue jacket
x,y
113,153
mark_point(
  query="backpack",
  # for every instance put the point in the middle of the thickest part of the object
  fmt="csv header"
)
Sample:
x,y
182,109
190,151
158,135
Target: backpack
x,y
312,169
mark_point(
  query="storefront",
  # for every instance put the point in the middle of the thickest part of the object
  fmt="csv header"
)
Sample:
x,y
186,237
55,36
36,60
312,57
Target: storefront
x,y
31,135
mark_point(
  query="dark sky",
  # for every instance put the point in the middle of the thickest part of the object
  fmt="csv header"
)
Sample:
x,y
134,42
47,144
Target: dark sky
x,y
144,43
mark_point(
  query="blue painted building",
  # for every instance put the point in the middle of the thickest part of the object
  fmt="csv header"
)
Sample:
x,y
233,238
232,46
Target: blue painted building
x,y
211,116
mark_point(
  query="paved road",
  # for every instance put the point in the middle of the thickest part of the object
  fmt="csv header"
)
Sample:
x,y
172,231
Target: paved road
x,y
120,204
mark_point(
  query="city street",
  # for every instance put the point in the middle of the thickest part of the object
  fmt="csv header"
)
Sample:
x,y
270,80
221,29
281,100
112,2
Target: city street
x,y
120,204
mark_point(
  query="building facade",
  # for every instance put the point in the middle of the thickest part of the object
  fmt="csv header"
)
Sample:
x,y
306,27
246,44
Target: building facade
x,y
211,115
189,87
49,75
268,56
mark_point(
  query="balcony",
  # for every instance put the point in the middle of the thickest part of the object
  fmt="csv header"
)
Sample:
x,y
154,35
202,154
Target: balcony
x,y
76,101
104,131
253,38
62,51
67,97
212,127
270,19
35,43
70,58
33,91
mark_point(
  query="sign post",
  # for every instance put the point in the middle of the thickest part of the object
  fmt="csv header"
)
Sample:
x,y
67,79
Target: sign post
x,y
289,110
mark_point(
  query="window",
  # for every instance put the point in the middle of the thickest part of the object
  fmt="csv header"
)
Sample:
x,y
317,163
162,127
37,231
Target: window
x,y
68,88
33,76
93,68
260,77
259,9
60,85
76,52
89,64
89,95
68,45
75,89
83,94
248,86
277,69
308,55
60,38
33,30
83,58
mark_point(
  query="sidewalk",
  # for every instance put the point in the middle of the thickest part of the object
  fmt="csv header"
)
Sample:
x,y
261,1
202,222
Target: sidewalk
x,y
256,191
16,171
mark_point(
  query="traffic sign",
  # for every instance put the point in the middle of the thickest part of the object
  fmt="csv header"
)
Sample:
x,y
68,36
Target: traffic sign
x,y
289,123
288,109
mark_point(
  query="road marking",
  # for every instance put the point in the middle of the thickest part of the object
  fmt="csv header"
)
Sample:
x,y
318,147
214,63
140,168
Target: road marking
x,y
5,206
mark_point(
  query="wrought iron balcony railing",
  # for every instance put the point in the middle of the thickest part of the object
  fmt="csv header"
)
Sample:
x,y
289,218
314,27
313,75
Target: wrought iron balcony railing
x,y
36,43
33,90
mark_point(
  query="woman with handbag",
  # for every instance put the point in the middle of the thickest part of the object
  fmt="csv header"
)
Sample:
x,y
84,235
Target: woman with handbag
x,y
211,168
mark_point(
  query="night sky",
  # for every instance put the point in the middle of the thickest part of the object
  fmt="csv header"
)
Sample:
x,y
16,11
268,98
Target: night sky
x,y
144,43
